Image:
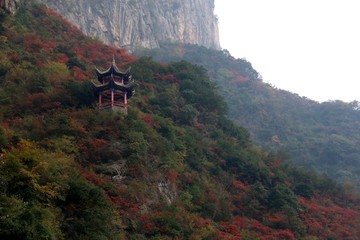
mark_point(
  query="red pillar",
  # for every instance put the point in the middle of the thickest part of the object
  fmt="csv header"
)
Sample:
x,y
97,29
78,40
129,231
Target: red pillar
x,y
100,100
112,97
125,100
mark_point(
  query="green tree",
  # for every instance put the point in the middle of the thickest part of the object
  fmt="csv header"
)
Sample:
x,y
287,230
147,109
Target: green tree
x,y
31,182
38,82
3,140
87,214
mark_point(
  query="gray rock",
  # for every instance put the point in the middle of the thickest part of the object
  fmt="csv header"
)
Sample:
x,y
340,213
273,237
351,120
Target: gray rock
x,y
143,23
10,6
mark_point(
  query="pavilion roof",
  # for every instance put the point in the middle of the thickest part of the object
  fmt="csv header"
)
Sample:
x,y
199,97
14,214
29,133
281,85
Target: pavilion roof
x,y
112,70
128,87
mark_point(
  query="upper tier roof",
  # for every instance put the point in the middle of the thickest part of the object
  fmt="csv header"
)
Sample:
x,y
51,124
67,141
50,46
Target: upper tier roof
x,y
113,70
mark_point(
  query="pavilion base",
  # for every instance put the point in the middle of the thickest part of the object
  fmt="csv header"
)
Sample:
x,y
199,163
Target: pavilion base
x,y
114,109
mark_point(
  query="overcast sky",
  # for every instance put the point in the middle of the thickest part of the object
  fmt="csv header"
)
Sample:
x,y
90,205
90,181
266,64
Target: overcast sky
x,y
309,47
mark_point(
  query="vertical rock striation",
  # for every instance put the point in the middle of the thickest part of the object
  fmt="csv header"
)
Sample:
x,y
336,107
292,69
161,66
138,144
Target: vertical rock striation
x,y
143,23
10,6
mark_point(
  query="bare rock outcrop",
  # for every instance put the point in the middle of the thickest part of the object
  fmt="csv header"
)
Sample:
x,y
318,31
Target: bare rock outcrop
x,y
143,23
10,6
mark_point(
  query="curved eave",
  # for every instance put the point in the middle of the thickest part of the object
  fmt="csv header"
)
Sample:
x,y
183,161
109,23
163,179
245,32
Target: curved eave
x,y
99,72
112,70
130,84
117,71
128,88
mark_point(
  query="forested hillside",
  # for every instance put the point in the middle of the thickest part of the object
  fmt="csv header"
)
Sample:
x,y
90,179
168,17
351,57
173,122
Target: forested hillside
x,y
320,136
174,167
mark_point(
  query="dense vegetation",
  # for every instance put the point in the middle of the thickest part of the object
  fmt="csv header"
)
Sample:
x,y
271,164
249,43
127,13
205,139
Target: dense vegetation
x,y
174,167
319,136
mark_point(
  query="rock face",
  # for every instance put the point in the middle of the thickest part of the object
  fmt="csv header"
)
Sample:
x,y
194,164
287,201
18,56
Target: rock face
x,y
143,23
10,6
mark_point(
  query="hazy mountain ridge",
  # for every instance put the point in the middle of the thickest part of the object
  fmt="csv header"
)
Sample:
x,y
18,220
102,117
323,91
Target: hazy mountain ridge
x,y
319,136
143,23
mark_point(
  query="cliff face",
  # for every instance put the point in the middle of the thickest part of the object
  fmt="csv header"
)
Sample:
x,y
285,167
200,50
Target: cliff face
x,y
143,23
10,6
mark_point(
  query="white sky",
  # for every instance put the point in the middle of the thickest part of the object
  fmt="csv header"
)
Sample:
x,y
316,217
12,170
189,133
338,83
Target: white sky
x,y
309,47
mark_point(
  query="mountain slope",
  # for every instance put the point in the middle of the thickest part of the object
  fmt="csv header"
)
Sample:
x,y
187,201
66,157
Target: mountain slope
x,y
319,136
173,168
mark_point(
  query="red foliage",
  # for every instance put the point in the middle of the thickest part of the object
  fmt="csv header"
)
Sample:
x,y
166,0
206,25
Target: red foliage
x,y
237,78
92,148
225,236
322,217
98,144
282,234
198,126
189,177
166,77
98,180
35,99
79,74
150,121
275,218
15,58
99,53
228,231
117,200
275,163
35,43
240,79
231,228
147,225
271,174
41,102
240,222
78,127
69,29
267,233
259,227
79,50
240,185
62,58
125,57
51,105
172,175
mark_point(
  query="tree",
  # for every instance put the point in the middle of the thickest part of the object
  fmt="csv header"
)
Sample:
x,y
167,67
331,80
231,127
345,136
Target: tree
x,y
31,182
